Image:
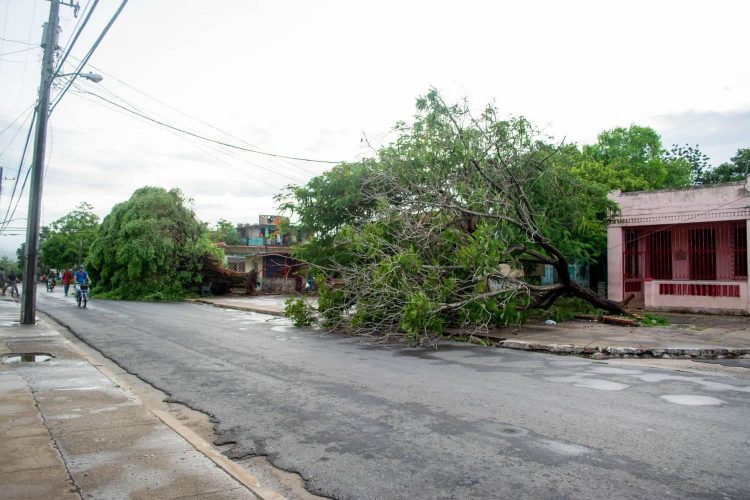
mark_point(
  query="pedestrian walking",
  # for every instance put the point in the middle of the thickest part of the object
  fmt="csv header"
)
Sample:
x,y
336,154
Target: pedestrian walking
x,y
3,280
67,277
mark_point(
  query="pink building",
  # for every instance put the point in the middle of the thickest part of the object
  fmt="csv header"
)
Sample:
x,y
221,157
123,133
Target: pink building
x,y
682,249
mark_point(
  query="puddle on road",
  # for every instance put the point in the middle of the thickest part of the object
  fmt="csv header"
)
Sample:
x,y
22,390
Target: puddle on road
x,y
691,400
282,329
610,370
601,385
567,449
707,384
26,357
583,380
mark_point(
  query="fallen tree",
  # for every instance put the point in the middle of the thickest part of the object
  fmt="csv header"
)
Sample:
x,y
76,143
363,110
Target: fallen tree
x,y
456,207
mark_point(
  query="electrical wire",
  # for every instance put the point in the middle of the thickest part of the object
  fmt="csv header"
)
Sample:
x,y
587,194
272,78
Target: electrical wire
x,y
89,53
208,139
222,131
8,217
119,109
135,108
16,119
12,139
670,226
17,41
19,51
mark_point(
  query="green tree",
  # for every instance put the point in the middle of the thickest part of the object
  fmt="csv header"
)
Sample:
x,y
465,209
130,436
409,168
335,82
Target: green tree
x,y
9,265
326,204
21,257
445,218
150,247
633,159
224,231
693,156
737,169
66,241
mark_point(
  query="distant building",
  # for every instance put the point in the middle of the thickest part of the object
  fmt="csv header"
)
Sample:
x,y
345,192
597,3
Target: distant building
x,y
266,249
267,232
682,250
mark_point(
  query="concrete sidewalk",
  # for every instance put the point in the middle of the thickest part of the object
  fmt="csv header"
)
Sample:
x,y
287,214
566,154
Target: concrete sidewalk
x,y
688,335
67,430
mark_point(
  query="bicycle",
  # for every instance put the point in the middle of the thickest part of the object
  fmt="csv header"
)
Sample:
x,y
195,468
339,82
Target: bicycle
x,y
82,294
13,290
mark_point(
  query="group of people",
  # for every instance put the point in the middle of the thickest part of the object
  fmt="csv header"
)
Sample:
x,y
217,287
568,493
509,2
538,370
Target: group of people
x,y
80,277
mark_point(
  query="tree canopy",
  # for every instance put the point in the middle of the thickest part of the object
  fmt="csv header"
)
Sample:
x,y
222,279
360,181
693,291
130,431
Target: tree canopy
x,y
150,247
633,159
443,221
224,231
66,241
737,169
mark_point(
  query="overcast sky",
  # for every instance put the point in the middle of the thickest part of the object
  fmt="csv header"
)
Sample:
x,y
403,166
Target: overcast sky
x,y
309,78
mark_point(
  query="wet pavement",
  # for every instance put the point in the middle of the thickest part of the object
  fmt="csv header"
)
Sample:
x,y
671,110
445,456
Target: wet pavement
x,y
459,421
69,431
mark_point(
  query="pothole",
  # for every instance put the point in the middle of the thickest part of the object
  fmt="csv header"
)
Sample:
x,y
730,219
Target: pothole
x,y
26,357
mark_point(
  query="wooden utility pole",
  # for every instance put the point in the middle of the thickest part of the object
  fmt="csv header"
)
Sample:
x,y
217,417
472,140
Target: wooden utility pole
x,y
49,43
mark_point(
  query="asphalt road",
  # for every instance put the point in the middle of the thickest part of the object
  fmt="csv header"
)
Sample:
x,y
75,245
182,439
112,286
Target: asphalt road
x,y
359,421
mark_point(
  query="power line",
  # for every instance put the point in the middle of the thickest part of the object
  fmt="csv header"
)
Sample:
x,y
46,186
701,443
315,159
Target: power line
x,y
89,53
670,226
12,139
18,51
193,142
208,139
18,176
17,41
202,122
120,109
16,119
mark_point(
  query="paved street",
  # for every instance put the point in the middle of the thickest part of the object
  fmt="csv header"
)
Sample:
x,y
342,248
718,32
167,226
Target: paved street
x,y
358,421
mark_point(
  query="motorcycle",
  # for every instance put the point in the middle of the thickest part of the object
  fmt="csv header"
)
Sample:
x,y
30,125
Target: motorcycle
x,y
82,294
51,284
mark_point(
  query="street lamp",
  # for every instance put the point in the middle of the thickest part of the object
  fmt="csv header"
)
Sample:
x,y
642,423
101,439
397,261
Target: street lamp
x,y
94,77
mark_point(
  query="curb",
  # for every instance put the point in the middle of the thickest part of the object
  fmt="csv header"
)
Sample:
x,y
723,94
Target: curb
x,y
256,309
600,352
621,352
234,470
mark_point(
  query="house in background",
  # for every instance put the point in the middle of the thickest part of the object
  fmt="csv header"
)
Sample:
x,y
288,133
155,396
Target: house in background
x,y
266,250
681,250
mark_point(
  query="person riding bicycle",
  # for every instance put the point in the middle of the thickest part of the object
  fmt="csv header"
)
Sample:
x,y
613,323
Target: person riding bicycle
x,y
12,282
81,277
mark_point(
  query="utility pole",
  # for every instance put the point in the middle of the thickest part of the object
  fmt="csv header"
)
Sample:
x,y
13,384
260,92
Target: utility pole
x,y
28,295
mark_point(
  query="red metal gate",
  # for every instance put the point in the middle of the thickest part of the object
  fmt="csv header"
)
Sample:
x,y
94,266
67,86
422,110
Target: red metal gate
x,y
683,253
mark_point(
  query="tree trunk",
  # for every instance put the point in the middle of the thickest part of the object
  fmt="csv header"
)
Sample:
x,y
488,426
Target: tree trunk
x,y
589,296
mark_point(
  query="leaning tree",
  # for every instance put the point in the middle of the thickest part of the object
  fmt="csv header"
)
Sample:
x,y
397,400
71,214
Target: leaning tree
x,y
458,206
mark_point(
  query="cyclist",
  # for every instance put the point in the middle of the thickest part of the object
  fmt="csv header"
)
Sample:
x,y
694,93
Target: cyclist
x,y
12,282
81,277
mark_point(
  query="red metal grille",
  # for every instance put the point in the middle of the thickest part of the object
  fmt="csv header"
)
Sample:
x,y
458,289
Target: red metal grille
x,y
739,245
705,290
659,252
701,252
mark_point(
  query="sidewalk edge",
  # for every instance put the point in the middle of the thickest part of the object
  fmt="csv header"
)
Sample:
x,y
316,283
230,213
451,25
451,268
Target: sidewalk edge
x,y
239,474
575,349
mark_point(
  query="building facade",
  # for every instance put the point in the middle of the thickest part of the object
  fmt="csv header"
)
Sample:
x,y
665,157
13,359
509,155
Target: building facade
x,y
266,250
681,250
